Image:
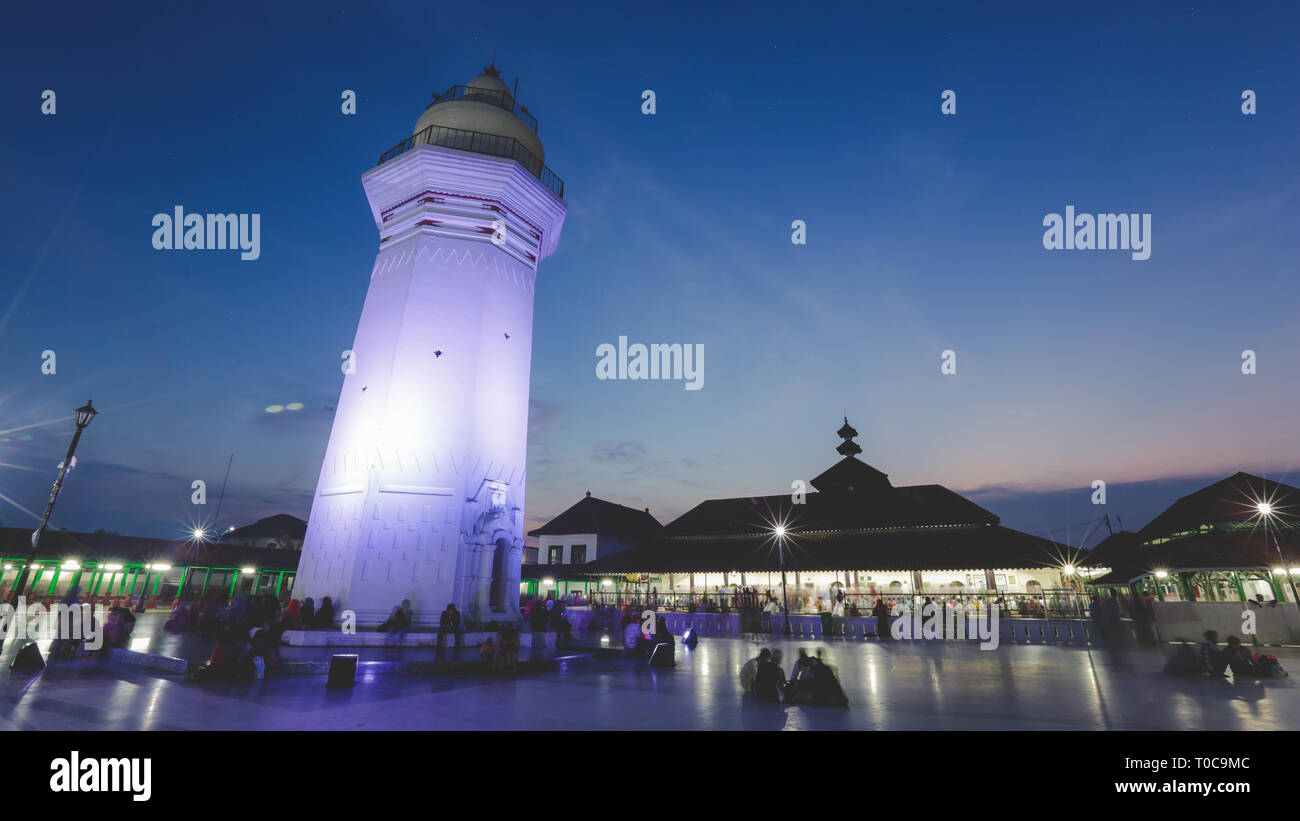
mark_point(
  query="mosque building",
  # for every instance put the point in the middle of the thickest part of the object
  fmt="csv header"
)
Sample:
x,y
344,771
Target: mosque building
x,y
855,532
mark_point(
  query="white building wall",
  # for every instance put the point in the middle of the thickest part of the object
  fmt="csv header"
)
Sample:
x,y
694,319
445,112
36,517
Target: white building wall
x,y
566,543
421,493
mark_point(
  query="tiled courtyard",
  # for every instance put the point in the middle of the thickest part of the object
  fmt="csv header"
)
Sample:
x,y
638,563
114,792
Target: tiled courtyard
x,y
894,686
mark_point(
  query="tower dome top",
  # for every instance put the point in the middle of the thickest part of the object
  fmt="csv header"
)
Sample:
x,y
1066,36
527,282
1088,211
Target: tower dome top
x,y
471,114
490,79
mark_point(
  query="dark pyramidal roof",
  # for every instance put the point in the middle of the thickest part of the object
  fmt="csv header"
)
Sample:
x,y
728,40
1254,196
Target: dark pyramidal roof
x,y
1233,500
592,515
1218,527
281,525
855,519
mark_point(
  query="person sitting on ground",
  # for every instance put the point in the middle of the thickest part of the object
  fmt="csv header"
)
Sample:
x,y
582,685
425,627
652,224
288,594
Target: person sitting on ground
x,y
645,644
399,621
225,663
825,689
118,627
663,653
821,657
61,648
800,683
1241,660
769,678
487,651
507,654
750,669
802,666
262,645
1213,660
181,618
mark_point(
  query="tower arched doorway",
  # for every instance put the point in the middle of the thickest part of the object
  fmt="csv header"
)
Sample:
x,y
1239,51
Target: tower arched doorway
x,y
497,594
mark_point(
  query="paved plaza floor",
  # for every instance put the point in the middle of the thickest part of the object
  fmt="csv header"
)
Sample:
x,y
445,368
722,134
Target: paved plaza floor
x,y
892,686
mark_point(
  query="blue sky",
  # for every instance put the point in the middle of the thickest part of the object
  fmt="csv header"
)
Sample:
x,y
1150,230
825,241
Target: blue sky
x,y
924,234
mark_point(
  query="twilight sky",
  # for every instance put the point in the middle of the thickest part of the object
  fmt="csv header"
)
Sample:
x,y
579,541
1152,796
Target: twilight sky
x,y
924,234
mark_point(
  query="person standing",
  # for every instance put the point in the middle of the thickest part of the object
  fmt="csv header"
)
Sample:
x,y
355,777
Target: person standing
x,y
881,612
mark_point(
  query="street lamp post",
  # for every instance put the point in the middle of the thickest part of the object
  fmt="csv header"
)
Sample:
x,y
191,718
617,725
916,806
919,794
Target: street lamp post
x,y
785,590
84,415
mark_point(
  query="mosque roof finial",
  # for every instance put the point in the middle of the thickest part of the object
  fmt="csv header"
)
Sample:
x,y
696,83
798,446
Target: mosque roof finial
x,y
848,447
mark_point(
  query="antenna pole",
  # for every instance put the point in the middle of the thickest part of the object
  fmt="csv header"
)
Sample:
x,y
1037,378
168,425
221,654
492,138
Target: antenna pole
x,y
222,497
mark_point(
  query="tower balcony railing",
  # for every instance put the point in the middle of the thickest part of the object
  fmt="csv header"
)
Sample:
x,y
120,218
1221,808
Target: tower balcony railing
x,y
476,141
500,99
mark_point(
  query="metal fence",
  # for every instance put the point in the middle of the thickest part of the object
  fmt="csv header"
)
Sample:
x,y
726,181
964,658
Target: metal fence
x,y
480,143
1049,603
500,99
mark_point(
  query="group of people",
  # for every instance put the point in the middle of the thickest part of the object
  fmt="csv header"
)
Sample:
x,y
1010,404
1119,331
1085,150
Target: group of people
x,y
1237,658
658,648
402,618
117,628
547,614
215,612
247,630
813,681
501,655
1106,610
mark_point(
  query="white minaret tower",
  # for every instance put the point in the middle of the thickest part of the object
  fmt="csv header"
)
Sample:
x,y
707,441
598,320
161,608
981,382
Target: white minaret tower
x,y
421,495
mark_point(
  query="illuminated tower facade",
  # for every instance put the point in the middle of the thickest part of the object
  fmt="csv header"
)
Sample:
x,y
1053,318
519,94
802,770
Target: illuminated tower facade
x,y
421,495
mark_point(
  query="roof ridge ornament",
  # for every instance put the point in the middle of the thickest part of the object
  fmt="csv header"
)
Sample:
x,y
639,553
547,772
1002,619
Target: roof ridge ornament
x,y
848,447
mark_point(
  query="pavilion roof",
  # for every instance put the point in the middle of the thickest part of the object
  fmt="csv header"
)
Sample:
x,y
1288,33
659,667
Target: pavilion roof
x,y
60,545
1247,549
1229,501
936,547
869,508
281,525
1218,527
592,515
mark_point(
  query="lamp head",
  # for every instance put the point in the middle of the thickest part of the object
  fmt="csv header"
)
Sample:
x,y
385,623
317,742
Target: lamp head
x,y
85,413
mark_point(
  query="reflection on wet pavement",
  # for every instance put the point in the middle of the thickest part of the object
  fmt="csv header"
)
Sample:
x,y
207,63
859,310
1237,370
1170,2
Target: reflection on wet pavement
x,y
893,686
